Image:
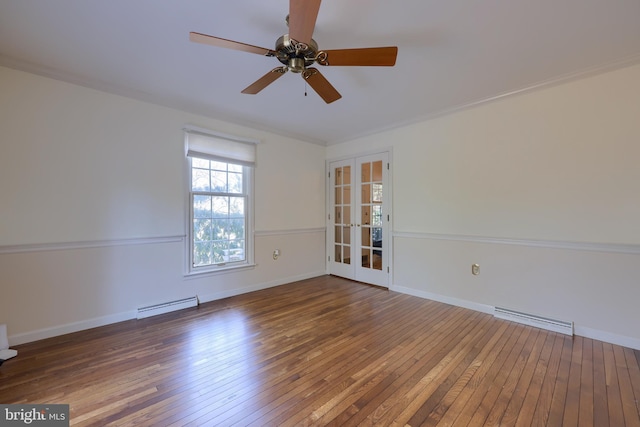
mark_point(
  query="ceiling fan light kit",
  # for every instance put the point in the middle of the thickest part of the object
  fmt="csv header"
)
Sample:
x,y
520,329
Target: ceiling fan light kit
x,y
297,51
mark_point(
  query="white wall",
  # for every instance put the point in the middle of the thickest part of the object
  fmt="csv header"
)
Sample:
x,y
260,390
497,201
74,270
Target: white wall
x,y
93,203
541,189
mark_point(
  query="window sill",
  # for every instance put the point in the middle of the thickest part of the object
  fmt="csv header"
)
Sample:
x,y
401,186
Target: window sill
x,y
218,271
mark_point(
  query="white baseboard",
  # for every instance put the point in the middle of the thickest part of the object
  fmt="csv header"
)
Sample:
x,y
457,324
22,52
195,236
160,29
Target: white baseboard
x,y
257,287
582,331
483,308
55,331
608,337
68,328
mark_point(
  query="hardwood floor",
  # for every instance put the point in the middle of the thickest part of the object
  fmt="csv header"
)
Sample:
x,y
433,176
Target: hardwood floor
x,y
327,351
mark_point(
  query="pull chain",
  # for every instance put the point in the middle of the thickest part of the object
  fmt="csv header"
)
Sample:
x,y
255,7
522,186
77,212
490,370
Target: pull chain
x,y
305,88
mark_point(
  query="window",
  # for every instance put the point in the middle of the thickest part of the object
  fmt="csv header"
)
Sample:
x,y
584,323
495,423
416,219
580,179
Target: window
x,y
220,200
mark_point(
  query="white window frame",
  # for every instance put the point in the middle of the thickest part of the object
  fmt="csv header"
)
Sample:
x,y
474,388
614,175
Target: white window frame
x,y
247,161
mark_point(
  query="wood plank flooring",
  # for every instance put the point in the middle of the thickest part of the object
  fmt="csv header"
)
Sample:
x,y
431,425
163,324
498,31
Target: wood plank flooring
x,y
327,351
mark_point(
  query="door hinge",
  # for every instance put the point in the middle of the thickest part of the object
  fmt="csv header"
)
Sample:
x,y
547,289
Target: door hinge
x,y
387,269
387,218
328,174
328,216
387,166
329,258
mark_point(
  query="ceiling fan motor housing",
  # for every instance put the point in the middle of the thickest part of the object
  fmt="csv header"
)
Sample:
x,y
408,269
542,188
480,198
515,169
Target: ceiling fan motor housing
x,y
296,56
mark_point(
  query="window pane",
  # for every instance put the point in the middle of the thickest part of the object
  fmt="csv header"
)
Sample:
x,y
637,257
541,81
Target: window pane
x,y
200,180
220,252
199,163
236,229
202,253
219,229
202,230
220,207
235,168
201,206
235,183
220,166
219,181
236,208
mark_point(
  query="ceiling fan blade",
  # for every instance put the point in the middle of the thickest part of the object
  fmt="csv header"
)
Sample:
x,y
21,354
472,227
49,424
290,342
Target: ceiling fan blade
x,y
321,85
229,44
370,56
302,19
265,81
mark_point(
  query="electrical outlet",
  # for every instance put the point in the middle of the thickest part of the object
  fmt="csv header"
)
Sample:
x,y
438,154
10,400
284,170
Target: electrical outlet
x,y
475,269
276,254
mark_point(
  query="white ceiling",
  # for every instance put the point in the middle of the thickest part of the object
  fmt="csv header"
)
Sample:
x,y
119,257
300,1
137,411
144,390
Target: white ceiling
x,y
452,53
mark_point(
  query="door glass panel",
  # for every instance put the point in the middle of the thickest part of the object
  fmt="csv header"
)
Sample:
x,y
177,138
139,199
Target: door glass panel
x,y
377,171
346,194
366,258
366,172
371,214
376,262
347,215
342,214
366,215
377,193
366,193
346,235
376,218
366,236
346,172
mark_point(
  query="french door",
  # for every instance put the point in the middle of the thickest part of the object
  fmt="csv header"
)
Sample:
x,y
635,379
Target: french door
x,y
358,219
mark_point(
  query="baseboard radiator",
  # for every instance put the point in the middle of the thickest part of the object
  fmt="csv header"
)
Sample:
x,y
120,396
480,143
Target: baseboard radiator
x,y
537,321
166,307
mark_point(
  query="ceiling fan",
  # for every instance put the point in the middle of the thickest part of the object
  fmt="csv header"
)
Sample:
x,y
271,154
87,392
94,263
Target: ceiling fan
x,y
297,51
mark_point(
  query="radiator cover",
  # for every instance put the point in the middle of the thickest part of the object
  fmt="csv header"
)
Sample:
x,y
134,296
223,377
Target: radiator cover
x,y
537,321
166,307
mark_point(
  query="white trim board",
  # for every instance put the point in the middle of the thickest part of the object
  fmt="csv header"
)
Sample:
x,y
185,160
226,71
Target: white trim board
x,y
263,233
54,331
582,331
551,244
56,246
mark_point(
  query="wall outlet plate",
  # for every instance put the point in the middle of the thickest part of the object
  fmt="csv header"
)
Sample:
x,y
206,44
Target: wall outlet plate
x,y
475,269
